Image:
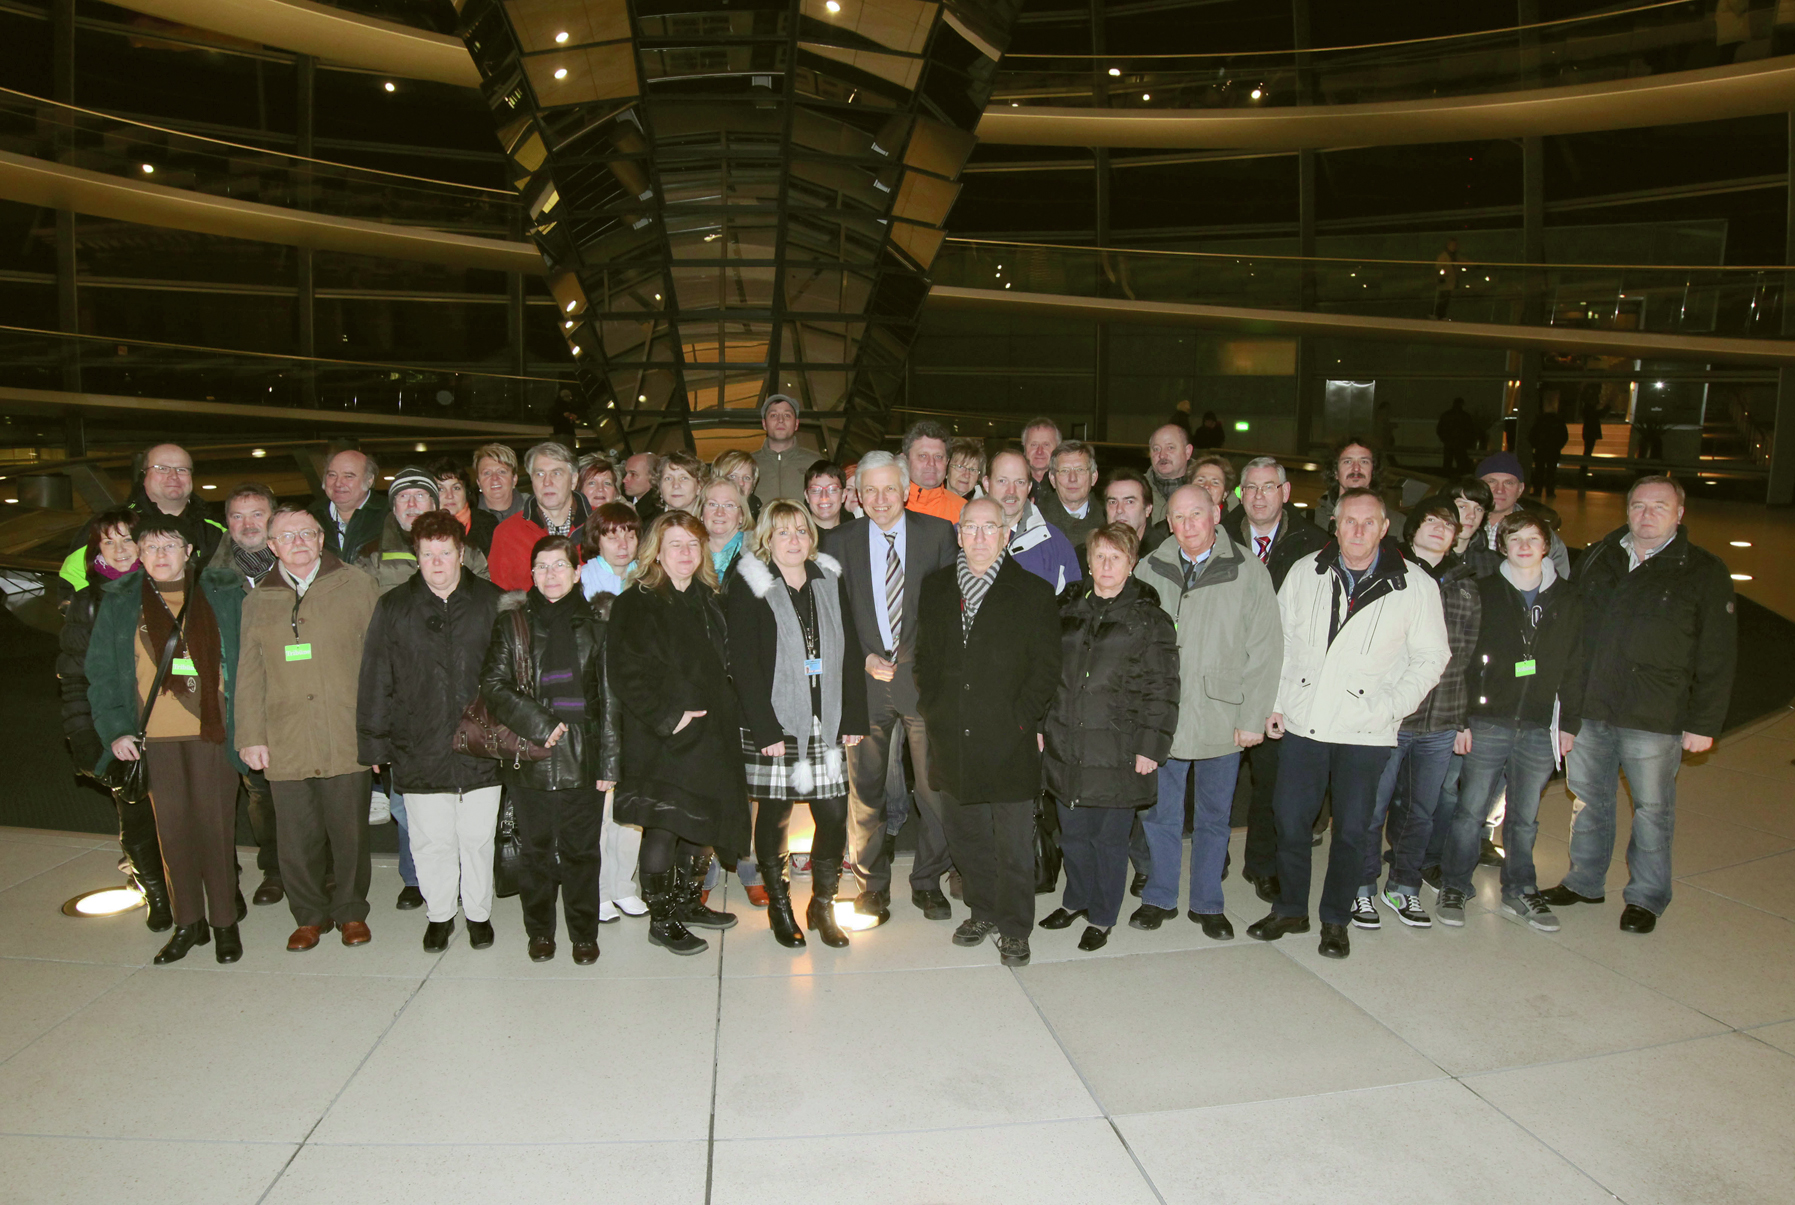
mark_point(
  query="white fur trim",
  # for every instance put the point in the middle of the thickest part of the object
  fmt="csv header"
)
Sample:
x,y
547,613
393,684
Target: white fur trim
x,y
802,779
755,573
511,600
829,564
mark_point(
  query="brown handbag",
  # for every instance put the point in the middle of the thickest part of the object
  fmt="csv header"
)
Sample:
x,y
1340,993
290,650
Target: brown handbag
x,y
478,734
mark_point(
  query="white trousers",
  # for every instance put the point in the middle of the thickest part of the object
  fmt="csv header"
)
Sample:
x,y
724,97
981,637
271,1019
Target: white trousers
x,y
619,844
451,846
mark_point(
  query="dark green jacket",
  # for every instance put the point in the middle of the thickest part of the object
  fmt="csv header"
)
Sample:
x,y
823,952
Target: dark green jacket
x,y
112,656
364,525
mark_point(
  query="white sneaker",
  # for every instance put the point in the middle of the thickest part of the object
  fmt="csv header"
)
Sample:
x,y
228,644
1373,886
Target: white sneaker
x,y
379,810
629,905
608,914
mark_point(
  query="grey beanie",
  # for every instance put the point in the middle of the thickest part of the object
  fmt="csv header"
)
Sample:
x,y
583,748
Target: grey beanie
x,y
780,397
411,477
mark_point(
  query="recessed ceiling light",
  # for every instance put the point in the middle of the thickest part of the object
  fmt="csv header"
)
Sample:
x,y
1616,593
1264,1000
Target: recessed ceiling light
x,y
149,169
420,448
389,86
560,73
561,37
1740,543
641,397
258,453
570,306
1115,71
1146,96
1257,93
208,487
1741,577
834,6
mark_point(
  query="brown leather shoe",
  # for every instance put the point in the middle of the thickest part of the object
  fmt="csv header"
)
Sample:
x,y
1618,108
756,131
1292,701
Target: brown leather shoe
x,y
757,895
355,933
306,936
542,949
270,892
585,953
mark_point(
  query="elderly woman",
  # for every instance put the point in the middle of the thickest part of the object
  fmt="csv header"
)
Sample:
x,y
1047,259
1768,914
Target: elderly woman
x,y
724,512
559,801
801,681
609,545
740,468
966,467
1110,727
682,476
111,553
598,481
681,776
168,612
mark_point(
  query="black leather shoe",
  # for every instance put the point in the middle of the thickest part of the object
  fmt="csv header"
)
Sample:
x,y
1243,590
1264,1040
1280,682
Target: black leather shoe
x,y
1334,941
956,886
1137,885
874,904
229,946
479,934
1150,916
542,949
185,937
408,899
1634,919
1265,887
436,936
1488,854
1272,927
1216,927
1059,918
1094,938
1227,861
242,906
270,892
1563,897
933,903
585,953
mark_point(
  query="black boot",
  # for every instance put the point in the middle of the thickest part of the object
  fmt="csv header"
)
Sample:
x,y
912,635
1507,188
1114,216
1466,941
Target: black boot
x,y
229,947
184,939
143,854
161,917
664,928
779,905
824,881
688,907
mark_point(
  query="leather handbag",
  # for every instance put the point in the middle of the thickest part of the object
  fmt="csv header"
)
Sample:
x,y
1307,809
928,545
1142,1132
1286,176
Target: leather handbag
x,y
478,734
507,852
130,780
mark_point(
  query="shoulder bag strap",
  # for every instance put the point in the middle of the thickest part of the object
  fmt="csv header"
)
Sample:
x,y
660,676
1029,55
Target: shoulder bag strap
x,y
521,667
168,656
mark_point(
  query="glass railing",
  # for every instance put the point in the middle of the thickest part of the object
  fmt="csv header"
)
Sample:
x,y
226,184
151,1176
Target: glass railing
x,y
133,150
37,359
1731,302
1639,40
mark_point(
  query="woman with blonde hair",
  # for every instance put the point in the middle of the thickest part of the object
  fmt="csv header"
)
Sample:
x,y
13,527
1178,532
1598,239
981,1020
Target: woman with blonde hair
x,y
740,468
724,512
681,778
793,654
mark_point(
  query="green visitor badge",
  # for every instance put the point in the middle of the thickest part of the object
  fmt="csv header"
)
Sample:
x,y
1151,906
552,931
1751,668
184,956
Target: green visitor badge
x,y
1524,669
184,667
303,652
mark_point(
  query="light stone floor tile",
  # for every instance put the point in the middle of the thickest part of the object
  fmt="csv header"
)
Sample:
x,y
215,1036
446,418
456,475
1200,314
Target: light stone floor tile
x,y
37,994
1147,1054
57,837
1693,1123
79,1171
474,1174
1349,1148
240,1058
32,924
1780,1036
501,1060
25,859
1768,883
1771,756
1065,1162
799,1055
1736,797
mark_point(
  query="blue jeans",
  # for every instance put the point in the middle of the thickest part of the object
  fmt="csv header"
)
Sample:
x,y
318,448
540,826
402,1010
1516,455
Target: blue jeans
x,y
1163,825
408,874
1651,760
1419,768
1443,814
1525,756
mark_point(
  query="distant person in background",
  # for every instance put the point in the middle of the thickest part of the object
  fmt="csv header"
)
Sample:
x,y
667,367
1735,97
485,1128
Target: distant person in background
x,y
495,472
1069,505
455,494
1548,435
825,488
1592,429
1170,451
1447,266
1209,433
782,462
682,475
1039,439
925,452
966,467
740,468
1458,433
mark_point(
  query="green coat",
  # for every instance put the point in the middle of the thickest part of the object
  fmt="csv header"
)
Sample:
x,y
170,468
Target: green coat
x,y
112,657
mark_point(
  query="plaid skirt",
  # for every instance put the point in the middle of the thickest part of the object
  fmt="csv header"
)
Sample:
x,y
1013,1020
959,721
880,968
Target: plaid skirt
x,y
822,775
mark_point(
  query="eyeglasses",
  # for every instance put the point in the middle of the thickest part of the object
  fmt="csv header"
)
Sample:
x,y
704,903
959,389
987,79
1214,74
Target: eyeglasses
x,y
293,537
988,530
1269,487
172,470
817,491
162,549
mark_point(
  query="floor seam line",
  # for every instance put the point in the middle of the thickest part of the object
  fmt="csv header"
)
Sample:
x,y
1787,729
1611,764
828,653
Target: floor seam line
x,y
1525,1129
710,1137
71,1015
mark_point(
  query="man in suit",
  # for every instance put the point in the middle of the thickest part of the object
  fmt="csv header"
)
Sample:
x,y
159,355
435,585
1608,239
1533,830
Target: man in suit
x,y
884,556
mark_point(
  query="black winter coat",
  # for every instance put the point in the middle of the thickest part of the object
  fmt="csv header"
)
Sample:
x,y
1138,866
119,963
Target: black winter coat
x,y
754,652
984,698
668,654
587,754
420,668
85,745
1660,643
1118,697
480,529
1505,638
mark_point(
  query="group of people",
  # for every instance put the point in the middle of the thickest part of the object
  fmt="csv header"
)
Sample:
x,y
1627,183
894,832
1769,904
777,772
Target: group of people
x,y
648,664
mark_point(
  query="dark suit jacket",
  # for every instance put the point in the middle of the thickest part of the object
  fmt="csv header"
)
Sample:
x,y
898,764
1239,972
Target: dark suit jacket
x,y
1296,539
929,545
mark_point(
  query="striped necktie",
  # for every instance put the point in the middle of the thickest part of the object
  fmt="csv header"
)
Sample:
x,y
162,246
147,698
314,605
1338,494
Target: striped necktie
x,y
1264,547
894,588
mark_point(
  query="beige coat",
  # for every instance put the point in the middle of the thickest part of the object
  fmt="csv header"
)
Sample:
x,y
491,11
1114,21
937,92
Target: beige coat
x,y
304,710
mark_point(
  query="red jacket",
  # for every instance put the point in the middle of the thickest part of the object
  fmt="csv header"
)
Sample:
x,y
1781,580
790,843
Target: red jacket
x,y
508,564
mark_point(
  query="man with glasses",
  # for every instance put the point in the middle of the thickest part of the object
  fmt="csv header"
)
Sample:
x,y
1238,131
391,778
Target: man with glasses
x,y
825,487
987,668
1034,543
298,675
554,508
348,516
1069,505
166,487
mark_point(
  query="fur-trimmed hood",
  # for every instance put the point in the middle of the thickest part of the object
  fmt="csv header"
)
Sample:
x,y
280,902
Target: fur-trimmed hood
x,y
760,578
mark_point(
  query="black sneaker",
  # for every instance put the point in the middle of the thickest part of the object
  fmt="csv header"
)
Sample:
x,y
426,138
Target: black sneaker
x,y
1433,877
1407,908
1490,854
1450,908
972,932
1364,914
1013,951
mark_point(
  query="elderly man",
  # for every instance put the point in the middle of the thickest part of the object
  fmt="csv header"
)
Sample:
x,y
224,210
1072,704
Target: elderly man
x,y
1502,472
298,674
554,508
1266,524
640,473
495,472
1039,438
1069,505
781,461
1128,498
925,455
1230,650
455,494
885,556
987,668
347,516
390,557
1170,450
1364,641
1354,465
1035,544
1660,641
166,488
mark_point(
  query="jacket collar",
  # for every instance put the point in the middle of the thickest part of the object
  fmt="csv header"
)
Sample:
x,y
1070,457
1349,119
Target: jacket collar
x,y
276,578
1225,555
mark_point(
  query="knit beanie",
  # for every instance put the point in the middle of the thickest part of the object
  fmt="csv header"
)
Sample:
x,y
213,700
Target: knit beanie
x,y
411,477
1502,462
780,397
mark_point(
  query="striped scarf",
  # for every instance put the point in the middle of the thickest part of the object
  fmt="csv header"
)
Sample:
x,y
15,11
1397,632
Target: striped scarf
x,y
973,588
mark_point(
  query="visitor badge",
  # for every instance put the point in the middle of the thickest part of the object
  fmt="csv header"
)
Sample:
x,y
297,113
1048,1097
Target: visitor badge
x,y
184,667
303,652
813,666
1524,669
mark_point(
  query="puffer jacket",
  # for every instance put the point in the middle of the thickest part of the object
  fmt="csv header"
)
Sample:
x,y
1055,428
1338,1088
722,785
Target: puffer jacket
x,y
420,668
588,753
1230,648
71,676
1118,697
392,561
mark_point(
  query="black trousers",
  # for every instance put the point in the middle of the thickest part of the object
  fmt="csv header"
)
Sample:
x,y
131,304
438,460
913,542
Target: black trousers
x,y
1262,821
868,765
258,801
193,789
323,825
1307,770
1094,843
774,818
993,844
559,831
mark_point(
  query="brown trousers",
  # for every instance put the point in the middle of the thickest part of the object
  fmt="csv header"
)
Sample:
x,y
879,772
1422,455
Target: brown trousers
x,y
193,789
323,826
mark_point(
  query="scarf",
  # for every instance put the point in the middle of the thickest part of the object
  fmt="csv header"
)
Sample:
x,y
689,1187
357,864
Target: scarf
x,y
560,686
252,565
721,561
199,641
973,588
1165,487
791,685
110,574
